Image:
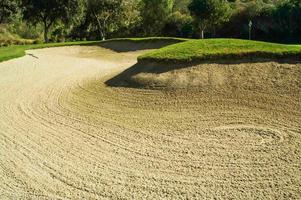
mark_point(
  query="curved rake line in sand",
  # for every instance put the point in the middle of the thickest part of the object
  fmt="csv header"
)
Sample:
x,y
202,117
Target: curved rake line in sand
x,y
66,134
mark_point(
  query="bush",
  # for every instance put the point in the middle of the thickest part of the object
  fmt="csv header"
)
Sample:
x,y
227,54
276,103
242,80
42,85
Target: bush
x,y
178,25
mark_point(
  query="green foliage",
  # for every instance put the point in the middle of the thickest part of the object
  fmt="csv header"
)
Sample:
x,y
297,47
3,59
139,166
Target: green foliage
x,y
213,49
8,38
288,18
26,30
208,13
154,14
178,25
8,9
104,15
130,17
66,20
276,21
181,6
49,12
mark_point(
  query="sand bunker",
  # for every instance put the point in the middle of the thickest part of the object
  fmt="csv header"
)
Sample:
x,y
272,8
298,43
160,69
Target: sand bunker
x,y
65,134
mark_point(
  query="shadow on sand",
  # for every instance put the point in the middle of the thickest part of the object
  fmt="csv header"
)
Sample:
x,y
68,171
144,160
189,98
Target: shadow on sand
x,y
124,79
127,46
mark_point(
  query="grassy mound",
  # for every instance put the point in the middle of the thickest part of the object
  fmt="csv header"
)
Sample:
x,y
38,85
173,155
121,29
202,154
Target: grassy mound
x,y
220,49
200,64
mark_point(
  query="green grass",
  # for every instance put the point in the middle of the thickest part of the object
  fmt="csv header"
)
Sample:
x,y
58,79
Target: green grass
x,y
16,51
186,51
221,49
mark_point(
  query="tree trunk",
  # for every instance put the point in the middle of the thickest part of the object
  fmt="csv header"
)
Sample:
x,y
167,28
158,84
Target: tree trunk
x,y
46,30
100,29
102,37
202,34
104,31
102,34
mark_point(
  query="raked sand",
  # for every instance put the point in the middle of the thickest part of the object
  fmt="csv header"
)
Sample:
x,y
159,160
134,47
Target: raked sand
x,y
64,134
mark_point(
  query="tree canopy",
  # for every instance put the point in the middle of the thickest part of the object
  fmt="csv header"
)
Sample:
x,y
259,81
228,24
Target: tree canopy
x,y
209,13
7,10
49,12
154,13
273,20
104,14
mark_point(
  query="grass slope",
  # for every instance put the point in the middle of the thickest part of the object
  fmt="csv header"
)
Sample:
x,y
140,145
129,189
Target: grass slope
x,y
16,51
184,50
213,49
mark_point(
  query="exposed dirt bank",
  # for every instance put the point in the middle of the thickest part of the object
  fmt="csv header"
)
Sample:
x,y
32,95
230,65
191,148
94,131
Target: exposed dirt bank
x,y
268,77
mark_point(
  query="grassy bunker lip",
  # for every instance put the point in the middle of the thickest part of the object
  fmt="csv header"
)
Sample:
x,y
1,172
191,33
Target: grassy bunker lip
x,y
136,44
221,49
180,50
147,39
16,51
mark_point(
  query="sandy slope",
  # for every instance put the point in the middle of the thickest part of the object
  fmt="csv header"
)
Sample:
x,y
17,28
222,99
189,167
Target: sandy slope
x,y
65,135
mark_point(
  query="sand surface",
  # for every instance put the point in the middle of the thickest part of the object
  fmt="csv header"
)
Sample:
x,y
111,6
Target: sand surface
x,y
64,134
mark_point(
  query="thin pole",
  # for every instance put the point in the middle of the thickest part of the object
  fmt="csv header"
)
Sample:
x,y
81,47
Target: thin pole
x,y
250,30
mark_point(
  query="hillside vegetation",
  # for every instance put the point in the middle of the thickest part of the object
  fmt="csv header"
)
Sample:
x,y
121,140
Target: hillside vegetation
x,y
8,38
58,21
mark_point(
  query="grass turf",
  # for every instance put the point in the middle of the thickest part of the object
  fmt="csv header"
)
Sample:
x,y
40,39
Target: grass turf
x,y
215,49
16,51
186,51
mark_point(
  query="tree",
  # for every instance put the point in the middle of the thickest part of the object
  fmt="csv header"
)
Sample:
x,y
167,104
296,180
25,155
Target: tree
x,y
7,10
49,12
104,13
181,6
130,16
154,14
177,25
208,13
288,18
